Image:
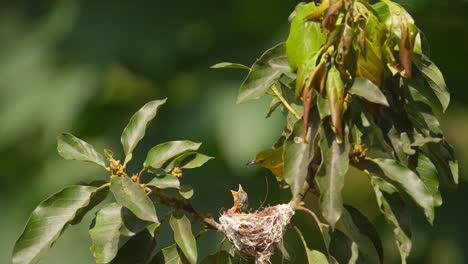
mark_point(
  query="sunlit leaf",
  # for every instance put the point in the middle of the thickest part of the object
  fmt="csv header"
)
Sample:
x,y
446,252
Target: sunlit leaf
x,y
184,237
393,208
73,148
137,250
188,160
264,73
364,234
135,130
48,221
167,181
105,233
335,94
368,90
167,255
330,176
229,65
162,153
429,175
96,198
186,191
131,195
410,183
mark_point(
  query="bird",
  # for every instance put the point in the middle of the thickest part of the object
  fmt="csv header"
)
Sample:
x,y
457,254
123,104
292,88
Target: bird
x,y
271,159
241,201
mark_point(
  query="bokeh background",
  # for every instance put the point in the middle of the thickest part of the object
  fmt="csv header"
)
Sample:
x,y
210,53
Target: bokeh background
x,y
86,66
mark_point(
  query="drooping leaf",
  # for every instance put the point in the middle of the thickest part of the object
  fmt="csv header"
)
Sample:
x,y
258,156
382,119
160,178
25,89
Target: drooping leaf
x,y
167,255
443,158
429,175
184,238
368,90
364,234
264,73
335,94
162,153
220,257
105,233
188,160
73,148
410,183
131,195
167,181
48,221
132,225
135,130
434,78
186,191
305,37
393,208
330,176
137,250
229,65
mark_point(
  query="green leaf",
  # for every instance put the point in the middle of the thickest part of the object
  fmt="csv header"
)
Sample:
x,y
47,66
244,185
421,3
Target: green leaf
x,y
73,148
443,158
188,160
313,256
343,248
264,73
229,65
363,233
96,198
330,176
167,255
167,181
335,93
220,257
434,78
132,225
162,153
429,175
105,233
298,154
393,208
186,191
137,250
48,221
305,37
368,90
131,195
409,182
310,225
184,238
135,130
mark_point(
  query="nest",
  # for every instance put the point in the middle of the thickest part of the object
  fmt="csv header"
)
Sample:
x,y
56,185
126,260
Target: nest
x,y
255,234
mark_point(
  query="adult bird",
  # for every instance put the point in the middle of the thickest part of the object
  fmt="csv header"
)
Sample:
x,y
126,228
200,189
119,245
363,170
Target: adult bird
x,y
271,159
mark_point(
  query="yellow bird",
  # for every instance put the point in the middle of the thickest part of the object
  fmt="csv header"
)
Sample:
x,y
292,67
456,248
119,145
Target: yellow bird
x,y
271,159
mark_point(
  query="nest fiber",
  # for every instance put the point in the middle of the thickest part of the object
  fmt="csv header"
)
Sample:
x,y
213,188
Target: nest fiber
x,y
255,234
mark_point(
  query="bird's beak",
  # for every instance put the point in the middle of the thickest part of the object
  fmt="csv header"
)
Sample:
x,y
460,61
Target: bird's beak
x,y
252,162
234,192
240,189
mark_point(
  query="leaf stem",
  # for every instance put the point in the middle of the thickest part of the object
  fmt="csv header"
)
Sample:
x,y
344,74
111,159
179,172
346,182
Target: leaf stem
x,y
307,210
285,103
105,185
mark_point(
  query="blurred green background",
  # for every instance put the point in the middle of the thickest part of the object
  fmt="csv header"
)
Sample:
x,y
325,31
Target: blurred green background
x,y
86,66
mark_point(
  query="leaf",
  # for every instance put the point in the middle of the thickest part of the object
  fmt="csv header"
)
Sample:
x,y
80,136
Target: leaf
x,y
220,257
335,94
167,255
188,160
131,195
229,65
105,233
310,225
393,208
313,256
331,173
184,238
167,181
429,175
368,90
135,130
298,154
186,191
73,148
305,37
96,198
443,158
48,221
434,78
137,250
132,225
161,153
344,249
264,73
409,182
364,234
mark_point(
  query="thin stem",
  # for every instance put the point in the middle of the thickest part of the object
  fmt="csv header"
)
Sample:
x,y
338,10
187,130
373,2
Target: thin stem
x,y
285,103
141,173
307,210
105,185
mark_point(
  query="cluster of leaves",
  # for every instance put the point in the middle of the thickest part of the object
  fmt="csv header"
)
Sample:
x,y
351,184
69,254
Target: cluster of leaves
x,y
122,231
357,89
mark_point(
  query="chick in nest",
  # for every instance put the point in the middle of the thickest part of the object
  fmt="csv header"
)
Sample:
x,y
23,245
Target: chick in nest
x,y
241,201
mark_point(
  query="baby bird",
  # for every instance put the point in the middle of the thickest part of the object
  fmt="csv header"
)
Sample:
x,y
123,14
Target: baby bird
x,y
241,201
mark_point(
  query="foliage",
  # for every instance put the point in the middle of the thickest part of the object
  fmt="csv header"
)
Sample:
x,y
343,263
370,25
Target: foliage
x,y
356,88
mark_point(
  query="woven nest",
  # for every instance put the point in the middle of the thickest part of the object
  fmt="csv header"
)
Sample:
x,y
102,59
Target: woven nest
x,y
255,234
